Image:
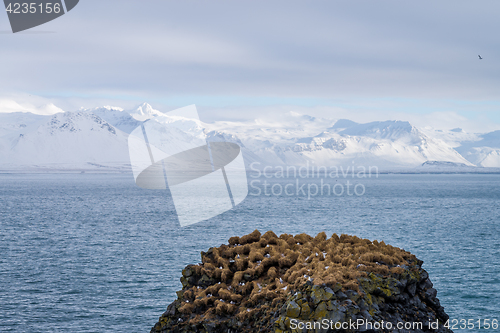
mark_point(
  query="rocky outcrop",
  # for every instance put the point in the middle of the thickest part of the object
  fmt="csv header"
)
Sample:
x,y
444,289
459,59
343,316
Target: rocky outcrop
x,y
266,283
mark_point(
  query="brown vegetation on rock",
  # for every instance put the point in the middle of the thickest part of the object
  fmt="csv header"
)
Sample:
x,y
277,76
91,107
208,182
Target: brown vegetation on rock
x,y
255,273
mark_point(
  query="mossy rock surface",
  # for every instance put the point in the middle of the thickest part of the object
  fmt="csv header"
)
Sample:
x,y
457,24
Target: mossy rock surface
x,y
266,283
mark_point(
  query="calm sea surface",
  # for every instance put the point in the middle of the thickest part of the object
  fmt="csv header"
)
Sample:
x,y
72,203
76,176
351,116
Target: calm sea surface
x,y
95,253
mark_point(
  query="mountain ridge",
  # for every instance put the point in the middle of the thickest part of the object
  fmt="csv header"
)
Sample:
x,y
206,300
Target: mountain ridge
x,y
99,136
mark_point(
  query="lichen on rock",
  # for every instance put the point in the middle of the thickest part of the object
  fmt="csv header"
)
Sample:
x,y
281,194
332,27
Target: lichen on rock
x,y
266,283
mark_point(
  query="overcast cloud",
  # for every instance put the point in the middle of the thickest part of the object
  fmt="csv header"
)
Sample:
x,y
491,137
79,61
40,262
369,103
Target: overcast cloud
x,y
356,56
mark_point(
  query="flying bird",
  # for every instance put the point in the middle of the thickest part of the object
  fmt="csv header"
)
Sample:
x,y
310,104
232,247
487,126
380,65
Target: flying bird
x,y
480,58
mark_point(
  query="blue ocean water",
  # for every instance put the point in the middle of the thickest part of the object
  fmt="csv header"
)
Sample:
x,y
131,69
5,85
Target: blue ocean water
x,y
95,253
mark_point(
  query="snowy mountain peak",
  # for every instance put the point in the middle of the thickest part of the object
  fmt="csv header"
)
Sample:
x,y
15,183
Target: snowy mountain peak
x,y
144,112
106,108
77,122
343,124
146,108
119,118
218,136
390,129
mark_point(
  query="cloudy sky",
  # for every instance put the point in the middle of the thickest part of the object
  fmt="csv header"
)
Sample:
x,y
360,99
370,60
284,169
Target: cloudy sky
x,y
363,60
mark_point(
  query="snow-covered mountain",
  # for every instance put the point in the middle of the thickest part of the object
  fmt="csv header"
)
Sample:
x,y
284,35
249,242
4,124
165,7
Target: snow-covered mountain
x,y
482,151
97,139
79,140
124,121
388,144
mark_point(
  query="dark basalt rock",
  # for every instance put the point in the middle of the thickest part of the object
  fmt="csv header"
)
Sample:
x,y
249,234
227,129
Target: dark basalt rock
x,y
292,283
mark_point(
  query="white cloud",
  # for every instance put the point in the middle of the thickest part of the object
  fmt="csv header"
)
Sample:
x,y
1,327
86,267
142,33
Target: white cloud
x,y
362,56
284,48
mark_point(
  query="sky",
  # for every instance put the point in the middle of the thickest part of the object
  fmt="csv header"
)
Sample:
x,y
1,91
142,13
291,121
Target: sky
x,y
236,60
